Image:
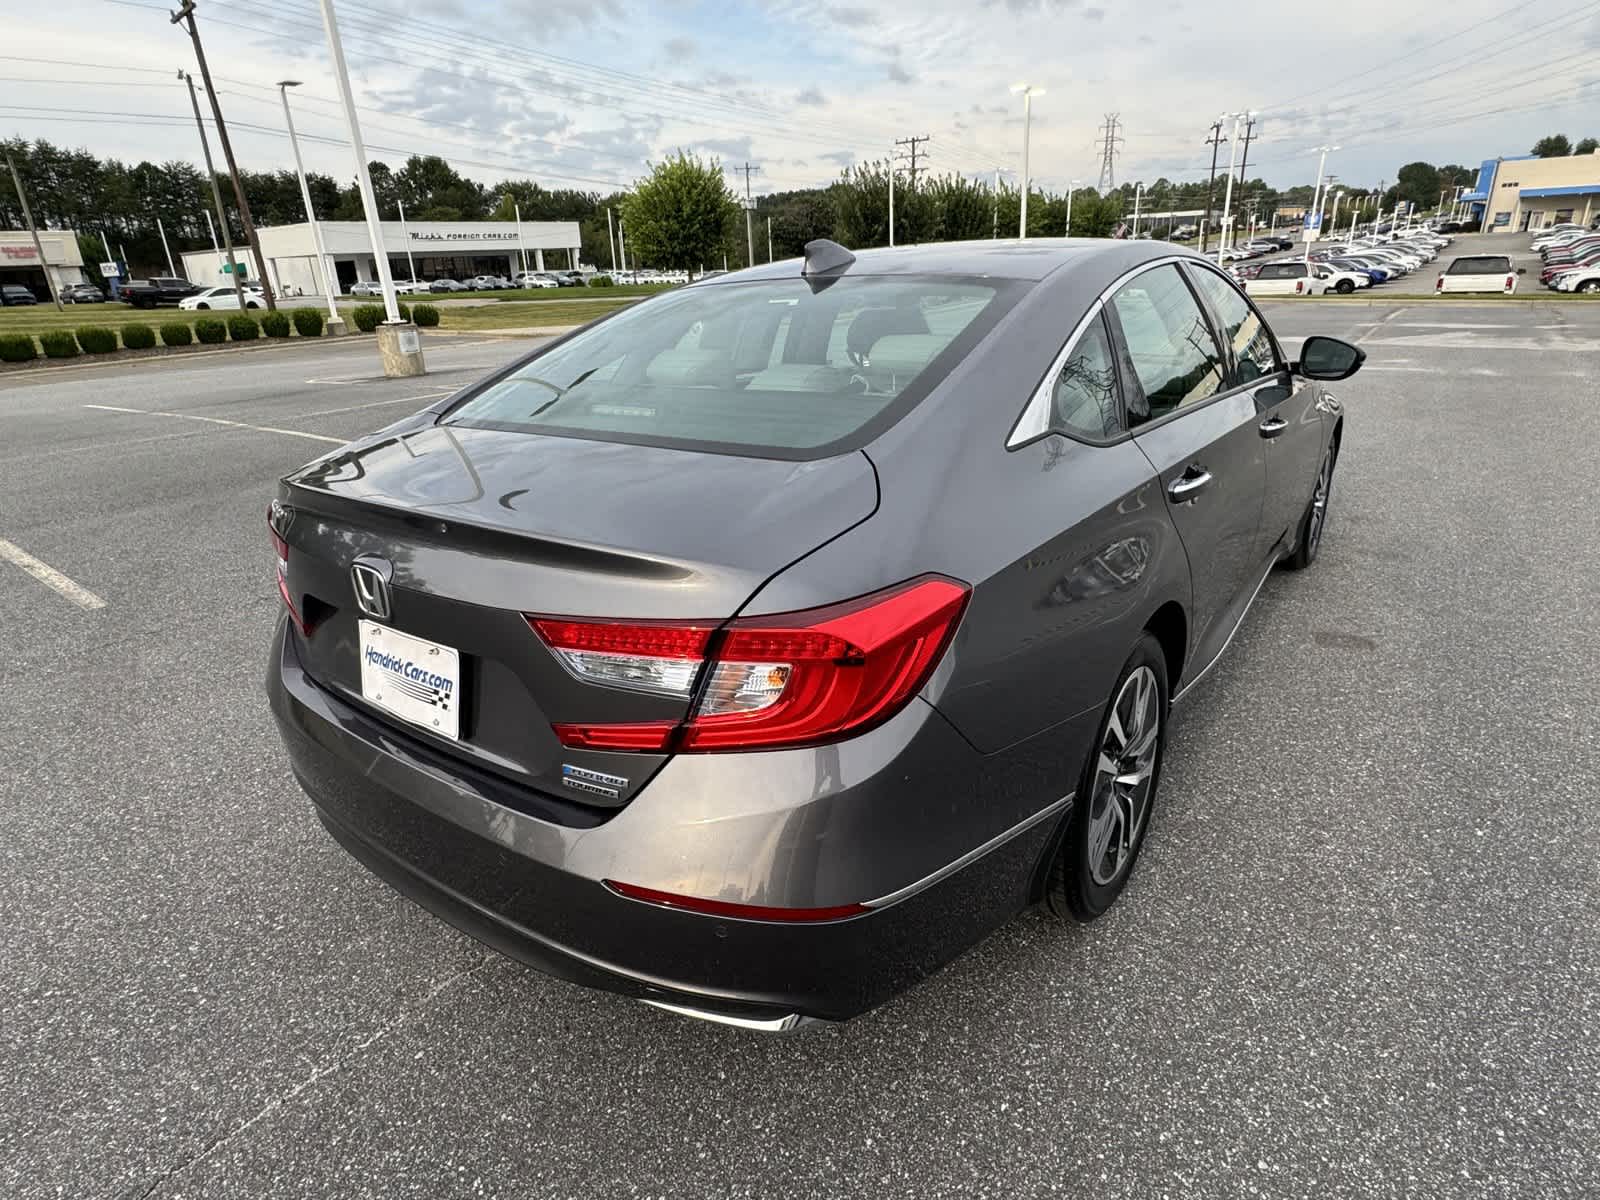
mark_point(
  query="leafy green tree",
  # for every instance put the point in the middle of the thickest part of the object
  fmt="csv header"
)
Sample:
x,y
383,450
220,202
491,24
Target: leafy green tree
x,y
1587,145
1554,146
680,217
961,209
1419,183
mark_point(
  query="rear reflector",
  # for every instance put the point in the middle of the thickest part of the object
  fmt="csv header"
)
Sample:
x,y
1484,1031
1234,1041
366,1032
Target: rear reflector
x,y
738,912
764,682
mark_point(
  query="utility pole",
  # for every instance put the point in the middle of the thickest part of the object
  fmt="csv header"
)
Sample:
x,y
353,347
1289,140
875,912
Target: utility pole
x,y
1227,195
769,239
1215,142
749,207
185,15
1244,152
892,169
912,143
38,246
611,234
1109,141
216,193
996,234
324,267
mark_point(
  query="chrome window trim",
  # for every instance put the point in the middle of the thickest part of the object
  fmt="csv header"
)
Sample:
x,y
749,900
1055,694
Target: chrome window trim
x,y
1035,421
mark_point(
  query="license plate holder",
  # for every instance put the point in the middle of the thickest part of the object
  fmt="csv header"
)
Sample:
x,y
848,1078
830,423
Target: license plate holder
x,y
412,678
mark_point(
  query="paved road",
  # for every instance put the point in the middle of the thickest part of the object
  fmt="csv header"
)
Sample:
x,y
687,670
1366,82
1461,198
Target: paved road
x,y
1358,958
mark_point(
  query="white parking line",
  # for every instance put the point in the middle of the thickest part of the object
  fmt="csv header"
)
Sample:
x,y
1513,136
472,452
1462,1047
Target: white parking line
x,y
329,412
49,576
147,412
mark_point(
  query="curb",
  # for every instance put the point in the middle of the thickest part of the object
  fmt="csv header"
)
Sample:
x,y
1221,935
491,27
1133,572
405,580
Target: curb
x,y
123,358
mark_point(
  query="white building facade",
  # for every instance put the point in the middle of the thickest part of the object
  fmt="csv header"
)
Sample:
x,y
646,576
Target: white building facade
x,y
427,249
20,263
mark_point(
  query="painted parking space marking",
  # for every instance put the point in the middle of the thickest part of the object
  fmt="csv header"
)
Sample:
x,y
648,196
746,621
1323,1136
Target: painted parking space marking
x,y
49,576
330,412
149,412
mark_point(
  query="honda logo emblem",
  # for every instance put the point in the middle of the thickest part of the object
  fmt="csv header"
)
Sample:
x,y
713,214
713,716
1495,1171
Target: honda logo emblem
x,y
372,590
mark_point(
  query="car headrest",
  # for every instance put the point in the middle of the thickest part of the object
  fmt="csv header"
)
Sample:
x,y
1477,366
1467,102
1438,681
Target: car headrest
x,y
871,324
688,368
903,354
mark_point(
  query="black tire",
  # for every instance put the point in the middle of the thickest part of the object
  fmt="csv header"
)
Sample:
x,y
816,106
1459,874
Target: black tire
x,y
1315,520
1344,287
203,307
1079,888
1591,285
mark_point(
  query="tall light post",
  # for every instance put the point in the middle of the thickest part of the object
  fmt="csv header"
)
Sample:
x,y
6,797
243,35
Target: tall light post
x,y
1028,92
1071,187
891,196
1138,195
1316,195
398,344
1227,194
1333,216
330,286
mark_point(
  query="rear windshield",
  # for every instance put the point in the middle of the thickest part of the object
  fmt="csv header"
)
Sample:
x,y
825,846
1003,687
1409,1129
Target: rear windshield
x,y
1480,266
767,367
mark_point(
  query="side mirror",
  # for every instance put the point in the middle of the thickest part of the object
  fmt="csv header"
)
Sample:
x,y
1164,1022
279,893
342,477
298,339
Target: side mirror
x,y
1328,359
1522,270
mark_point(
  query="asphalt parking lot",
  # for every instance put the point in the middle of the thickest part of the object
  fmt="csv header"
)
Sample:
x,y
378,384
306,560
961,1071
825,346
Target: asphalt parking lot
x,y
1421,281
1360,956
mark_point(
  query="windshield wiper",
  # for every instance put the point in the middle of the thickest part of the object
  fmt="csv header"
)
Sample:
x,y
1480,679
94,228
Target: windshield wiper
x,y
559,391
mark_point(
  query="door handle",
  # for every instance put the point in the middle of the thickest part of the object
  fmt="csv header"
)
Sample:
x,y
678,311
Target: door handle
x,y
1188,488
1272,426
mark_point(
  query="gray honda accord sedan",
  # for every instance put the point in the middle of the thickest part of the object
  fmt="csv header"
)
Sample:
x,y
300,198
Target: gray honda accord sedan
x,y
754,651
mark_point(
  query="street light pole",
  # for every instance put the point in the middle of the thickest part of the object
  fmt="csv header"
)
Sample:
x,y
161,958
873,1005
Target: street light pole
x,y
1028,93
611,233
330,286
398,344
1071,188
1316,195
166,249
1227,192
891,197
216,193
1138,195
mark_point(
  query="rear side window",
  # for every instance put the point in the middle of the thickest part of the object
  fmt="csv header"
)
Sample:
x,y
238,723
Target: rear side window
x,y
1242,328
1174,357
768,367
1084,399
1282,271
1480,266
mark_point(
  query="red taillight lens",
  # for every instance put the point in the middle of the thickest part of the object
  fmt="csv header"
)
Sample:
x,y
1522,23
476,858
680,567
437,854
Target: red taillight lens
x,y
788,680
1438,284
280,550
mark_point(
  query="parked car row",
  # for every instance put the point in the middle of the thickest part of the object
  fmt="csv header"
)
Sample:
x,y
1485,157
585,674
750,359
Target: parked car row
x,y
1571,256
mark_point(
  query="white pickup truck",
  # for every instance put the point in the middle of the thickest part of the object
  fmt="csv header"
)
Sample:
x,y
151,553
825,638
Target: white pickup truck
x,y
1478,273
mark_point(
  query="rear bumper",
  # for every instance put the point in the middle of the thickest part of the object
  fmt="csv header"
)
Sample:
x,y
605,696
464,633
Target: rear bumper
x,y
527,882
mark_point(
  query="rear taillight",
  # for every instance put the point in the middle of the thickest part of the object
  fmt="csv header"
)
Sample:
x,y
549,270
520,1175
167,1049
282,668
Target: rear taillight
x,y
1511,282
280,550
763,682
1299,286
1438,284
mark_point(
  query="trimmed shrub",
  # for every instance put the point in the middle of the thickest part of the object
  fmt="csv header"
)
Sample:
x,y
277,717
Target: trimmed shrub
x,y
17,347
405,310
138,337
97,339
210,331
602,281
176,333
59,343
425,315
308,322
242,328
367,317
275,324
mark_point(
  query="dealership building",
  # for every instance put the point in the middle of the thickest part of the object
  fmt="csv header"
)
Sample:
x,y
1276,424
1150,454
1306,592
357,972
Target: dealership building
x,y
20,263
431,249
1527,192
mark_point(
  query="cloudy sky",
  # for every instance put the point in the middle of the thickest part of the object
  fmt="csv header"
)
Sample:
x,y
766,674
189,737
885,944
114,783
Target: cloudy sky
x,y
583,93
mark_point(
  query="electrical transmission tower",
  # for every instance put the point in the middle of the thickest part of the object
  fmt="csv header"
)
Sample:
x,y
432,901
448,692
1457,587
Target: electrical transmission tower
x,y
1109,141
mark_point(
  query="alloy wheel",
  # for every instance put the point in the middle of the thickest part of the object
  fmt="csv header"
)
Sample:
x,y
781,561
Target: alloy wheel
x,y
1124,776
1319,504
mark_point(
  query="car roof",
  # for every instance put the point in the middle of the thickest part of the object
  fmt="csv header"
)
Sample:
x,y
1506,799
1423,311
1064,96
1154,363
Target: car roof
x,y
1007,259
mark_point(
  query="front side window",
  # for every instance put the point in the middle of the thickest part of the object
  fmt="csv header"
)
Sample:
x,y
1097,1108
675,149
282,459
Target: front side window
x,y
1241,326
1175,359
1084,399
763,367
